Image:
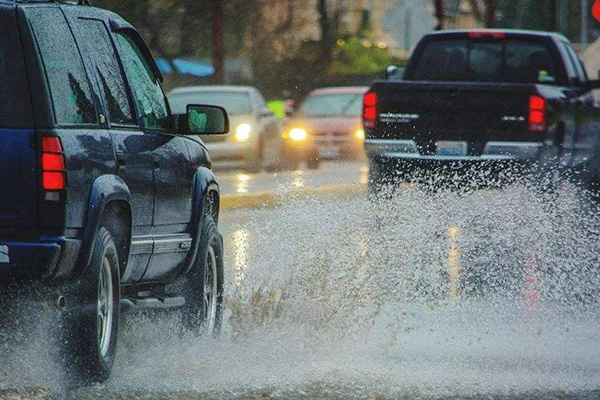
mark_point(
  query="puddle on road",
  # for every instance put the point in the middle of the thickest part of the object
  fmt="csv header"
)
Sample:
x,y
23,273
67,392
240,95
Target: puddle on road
x,y
437,294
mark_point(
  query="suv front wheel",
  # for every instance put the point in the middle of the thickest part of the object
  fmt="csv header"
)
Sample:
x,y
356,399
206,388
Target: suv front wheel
x,y
203,285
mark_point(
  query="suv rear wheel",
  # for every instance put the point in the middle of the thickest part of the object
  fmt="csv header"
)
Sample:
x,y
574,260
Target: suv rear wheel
x,y
91,321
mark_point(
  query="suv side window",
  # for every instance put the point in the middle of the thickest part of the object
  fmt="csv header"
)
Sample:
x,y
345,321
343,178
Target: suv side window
x,y
69,87
111,80
150,98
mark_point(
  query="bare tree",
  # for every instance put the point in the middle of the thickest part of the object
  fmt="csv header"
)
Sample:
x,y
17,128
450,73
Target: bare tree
x,y
490,14
440,14
218,53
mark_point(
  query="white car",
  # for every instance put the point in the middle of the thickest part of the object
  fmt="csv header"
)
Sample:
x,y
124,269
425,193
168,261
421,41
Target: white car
x,y
254,141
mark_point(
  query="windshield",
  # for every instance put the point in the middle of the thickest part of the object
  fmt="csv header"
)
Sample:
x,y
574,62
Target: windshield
x,y
332,105
511,60
236,103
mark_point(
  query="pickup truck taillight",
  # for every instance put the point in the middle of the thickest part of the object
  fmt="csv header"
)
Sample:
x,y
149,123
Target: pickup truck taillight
x,y
370,110
537,114
54,176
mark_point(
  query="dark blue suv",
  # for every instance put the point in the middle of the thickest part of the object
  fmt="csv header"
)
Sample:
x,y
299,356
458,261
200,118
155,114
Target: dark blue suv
x,y
107,200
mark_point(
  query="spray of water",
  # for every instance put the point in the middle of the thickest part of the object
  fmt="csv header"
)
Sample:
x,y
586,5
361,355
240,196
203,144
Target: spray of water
x,y
424,293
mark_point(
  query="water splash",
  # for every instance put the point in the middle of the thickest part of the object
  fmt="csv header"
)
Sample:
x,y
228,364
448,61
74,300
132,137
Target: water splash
x,y
428,293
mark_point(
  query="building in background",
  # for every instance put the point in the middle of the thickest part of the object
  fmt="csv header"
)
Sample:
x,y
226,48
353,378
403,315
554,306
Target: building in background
x,y
405,22
464,14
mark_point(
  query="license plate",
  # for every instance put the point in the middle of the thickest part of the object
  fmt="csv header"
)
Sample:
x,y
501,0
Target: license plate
x,y
329,152
451,148
4,257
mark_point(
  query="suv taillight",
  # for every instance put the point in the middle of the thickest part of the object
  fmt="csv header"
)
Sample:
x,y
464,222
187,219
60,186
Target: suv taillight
x,y
537,114
54,177
370,110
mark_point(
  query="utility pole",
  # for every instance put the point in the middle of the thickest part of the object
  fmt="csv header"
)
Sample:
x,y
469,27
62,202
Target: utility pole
x,y
585,30
490,14
218,52
554,15
326,33
564,17
440,14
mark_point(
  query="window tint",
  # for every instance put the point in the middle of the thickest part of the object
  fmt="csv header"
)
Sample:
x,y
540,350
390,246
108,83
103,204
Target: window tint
x,y
529,62
328,105
519,61
111,81
145,85
485,61
443,61
235,103
69,86
15,104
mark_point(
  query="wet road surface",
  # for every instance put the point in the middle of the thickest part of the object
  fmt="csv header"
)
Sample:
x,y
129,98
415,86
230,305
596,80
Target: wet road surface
x,y
487,294
330,173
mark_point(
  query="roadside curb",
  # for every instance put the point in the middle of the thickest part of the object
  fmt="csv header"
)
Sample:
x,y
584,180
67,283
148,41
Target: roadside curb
x,y
245,201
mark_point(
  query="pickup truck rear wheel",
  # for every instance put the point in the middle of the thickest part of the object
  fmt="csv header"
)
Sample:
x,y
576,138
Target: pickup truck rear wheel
x,y
379,178
203,287
91,320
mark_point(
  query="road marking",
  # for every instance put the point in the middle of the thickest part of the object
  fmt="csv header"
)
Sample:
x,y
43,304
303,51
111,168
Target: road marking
x,y
273,199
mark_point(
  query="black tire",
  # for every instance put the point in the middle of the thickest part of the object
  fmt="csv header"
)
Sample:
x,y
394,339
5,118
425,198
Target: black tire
x,y
290,164
91,319
313,163
203,285
378,179
254,164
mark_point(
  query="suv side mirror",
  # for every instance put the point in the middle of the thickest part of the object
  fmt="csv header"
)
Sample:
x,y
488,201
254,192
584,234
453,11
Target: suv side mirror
x,y
266,113
203,120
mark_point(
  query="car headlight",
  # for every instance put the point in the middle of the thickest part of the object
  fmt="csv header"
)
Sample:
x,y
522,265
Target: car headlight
x,y
298,134
360,134
242,133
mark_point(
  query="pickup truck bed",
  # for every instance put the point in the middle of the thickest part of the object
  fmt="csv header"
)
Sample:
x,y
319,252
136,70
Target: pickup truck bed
x,y
484,95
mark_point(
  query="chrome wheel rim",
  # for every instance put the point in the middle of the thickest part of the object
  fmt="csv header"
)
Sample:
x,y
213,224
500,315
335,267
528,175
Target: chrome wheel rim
x,y
105,307
209,300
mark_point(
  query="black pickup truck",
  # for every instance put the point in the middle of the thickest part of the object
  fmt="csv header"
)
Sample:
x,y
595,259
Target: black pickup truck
x,y
484,99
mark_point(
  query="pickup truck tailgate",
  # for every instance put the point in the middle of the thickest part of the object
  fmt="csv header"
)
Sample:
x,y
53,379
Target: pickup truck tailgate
x,y
473,112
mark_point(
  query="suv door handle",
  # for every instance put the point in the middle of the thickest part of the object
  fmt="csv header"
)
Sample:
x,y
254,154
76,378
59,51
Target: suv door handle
x,y
120,158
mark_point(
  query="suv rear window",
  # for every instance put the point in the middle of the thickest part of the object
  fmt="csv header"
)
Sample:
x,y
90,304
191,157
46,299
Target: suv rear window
x,y
510,60
15,103
69,86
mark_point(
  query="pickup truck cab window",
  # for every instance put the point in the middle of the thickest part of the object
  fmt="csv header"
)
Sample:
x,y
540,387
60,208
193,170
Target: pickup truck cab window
x,y
150,98
518,61
69,87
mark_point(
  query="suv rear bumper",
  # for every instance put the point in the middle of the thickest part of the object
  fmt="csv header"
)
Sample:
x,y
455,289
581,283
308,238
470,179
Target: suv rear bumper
x,y
493,151
50,258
